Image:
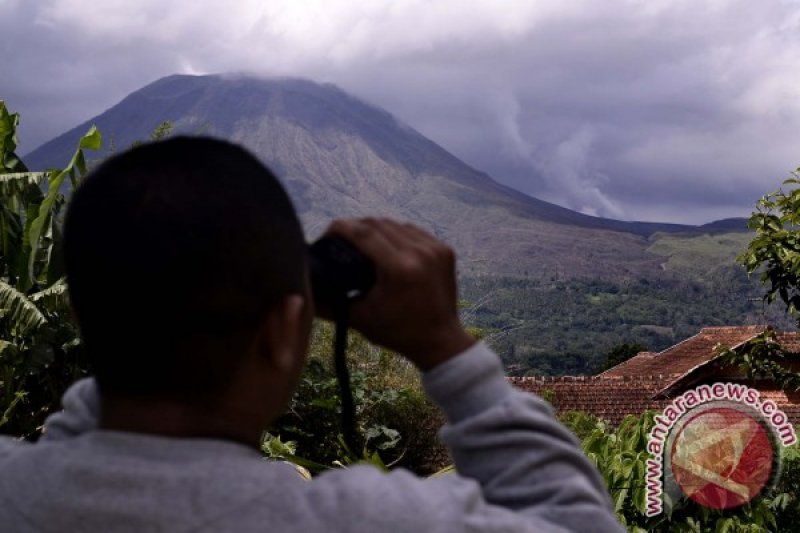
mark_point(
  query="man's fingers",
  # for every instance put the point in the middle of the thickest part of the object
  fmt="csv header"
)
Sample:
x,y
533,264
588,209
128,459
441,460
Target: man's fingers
x,y
365,236
389,229
429,241
412,308
409,245
419,233
384,240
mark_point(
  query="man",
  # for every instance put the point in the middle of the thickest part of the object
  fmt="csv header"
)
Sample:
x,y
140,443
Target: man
x,y
188,278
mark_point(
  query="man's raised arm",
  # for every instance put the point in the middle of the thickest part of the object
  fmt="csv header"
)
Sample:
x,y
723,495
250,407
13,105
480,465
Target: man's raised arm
x,y
506,440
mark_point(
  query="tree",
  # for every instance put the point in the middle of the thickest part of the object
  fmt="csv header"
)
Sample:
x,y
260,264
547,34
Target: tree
x,y
39,346
775,253
775,249
620,354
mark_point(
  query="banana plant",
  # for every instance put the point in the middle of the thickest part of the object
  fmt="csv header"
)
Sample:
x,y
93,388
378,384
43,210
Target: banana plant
x,y
39,352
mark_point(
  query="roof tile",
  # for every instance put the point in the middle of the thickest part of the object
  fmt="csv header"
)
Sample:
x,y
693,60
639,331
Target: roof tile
x,y
688,354
637,385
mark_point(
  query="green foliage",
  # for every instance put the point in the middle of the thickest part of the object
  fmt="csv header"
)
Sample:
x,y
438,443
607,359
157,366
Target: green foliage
x,y
788,506
273,447
581,423
620,454
620,354
775,250
39,347
396,419
762,358
775,253
697,257
542,327
549,395
43,227
9,161
162,131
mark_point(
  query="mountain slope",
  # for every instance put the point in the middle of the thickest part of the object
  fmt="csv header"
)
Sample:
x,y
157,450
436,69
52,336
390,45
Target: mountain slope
x,y
339,156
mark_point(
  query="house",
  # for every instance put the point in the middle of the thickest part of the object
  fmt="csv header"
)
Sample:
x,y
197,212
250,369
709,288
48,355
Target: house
x,y
652,380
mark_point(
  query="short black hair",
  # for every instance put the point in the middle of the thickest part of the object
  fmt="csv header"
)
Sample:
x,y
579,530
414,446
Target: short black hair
x,y
174,252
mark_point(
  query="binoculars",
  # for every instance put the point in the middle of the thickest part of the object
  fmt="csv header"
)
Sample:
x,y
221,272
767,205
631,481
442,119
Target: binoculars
x,y
339,272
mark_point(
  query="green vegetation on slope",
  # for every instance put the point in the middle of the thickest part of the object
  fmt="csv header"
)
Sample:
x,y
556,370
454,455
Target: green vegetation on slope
x,y
698,257
566,327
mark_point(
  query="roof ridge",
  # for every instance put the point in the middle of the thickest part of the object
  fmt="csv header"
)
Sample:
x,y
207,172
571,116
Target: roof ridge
x,y
684,341
711,329
712,356
607,370
748,328
577,379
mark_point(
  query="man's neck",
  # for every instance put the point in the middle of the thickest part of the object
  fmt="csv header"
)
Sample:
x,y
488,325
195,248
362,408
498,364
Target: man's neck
x,y
179,420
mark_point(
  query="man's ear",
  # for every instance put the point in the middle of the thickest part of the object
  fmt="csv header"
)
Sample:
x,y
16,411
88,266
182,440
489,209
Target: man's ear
x,y
281,331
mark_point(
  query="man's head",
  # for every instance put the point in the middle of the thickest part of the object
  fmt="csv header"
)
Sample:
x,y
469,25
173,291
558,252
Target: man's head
x,y
176,253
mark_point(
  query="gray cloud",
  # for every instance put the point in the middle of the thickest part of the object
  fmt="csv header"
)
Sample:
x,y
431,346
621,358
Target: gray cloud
x,y
669,110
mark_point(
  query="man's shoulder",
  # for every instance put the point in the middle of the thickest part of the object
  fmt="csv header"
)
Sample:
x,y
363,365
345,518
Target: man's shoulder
x,y
172,483
364,485
11,445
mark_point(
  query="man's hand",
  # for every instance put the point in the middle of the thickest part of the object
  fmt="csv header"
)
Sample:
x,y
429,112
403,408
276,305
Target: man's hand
x,y
412,307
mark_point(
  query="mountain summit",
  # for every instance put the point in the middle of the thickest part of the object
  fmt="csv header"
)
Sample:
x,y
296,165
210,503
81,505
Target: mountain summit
x,y
339,156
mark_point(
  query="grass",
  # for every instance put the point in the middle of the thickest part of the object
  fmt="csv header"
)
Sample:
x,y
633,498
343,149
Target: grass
x,y
698,256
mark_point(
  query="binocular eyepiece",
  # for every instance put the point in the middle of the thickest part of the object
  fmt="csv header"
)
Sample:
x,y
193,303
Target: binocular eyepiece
x,y
339,272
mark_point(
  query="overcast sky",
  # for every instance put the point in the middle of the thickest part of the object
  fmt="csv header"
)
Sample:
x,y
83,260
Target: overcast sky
x,y
667,110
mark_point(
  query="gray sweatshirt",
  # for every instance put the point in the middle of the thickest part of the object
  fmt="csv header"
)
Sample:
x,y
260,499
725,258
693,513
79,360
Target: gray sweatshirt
x,y
519,470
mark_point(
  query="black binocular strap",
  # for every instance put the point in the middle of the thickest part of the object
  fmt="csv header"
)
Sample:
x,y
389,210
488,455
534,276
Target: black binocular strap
x,y
349,431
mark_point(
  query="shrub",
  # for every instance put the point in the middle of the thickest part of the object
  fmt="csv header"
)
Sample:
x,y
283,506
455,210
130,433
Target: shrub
x,y
39,348
395,417
620,454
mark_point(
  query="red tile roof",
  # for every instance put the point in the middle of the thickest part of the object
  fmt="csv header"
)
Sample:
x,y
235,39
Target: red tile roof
x,y
609,398
681,359
612,398
788,401
650,380
790,340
